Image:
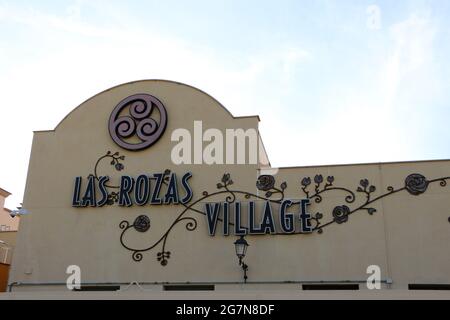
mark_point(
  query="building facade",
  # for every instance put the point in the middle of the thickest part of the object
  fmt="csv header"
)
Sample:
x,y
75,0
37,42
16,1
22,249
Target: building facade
x,y
8,231
152,182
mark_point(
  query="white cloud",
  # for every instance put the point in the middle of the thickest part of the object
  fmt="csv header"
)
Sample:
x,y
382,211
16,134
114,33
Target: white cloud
x,y
370,119
412,52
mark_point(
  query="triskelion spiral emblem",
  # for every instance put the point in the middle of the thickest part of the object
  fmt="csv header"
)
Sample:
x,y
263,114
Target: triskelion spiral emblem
x,y
132,124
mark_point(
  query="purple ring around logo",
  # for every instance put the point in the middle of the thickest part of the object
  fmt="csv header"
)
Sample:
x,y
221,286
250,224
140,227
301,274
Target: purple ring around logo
x,y
137,122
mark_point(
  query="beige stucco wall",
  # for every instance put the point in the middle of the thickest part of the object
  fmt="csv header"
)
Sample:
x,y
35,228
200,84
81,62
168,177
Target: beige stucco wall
x,y
12,224
9,237
407,236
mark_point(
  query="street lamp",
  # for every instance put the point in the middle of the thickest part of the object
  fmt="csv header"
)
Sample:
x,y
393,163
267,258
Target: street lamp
x,y
241,248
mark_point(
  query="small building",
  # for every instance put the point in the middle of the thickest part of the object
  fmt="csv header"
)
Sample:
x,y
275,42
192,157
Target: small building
x,y
8,231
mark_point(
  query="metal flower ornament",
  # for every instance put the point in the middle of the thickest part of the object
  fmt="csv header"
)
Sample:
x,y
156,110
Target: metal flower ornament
x,y
417,184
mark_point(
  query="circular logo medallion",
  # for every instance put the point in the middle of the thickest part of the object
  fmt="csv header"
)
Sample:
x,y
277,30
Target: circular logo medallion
x,y
134,124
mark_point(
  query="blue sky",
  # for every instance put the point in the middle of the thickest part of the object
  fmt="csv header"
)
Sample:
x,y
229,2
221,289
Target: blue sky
x,y
330,84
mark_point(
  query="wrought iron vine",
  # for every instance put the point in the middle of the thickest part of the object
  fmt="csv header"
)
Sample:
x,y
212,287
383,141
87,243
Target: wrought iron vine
x,y
116,162
313,189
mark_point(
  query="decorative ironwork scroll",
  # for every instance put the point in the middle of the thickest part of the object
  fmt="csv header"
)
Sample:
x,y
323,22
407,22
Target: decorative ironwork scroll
x,y
414,184
313,188
115,161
